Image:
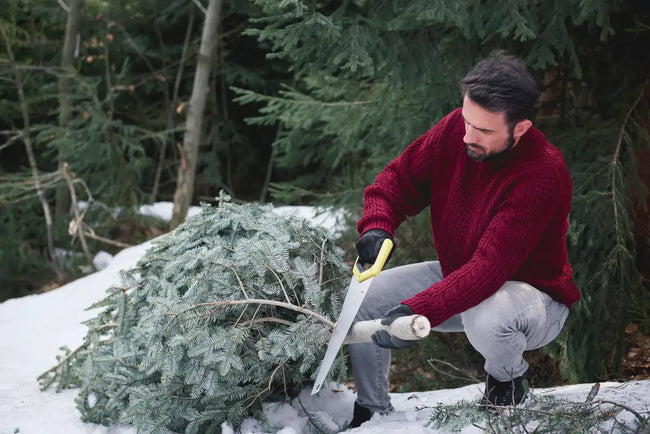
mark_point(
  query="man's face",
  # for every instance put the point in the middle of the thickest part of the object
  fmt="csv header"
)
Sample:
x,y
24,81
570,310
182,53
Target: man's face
x,y
486,133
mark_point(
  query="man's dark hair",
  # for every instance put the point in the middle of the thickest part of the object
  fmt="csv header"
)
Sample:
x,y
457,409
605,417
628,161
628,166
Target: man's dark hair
x,y
501,83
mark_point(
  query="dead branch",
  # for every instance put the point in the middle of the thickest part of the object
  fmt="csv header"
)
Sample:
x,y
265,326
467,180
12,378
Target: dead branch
x,y
286,296
200,6
88,232
77,227
638,415
65,7
15,136
593,392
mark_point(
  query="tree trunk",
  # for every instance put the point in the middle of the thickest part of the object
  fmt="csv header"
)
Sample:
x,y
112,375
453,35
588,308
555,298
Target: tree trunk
x,y
193,125
68,56
30,151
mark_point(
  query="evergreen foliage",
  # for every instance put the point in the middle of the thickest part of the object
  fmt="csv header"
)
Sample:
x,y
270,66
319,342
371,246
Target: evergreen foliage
x,y
543,415
230,309
602,249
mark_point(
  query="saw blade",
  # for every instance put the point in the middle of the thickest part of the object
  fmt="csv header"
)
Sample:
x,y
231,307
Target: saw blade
x,y
353,299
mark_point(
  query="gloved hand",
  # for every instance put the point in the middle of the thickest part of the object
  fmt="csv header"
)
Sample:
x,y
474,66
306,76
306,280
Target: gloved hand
x,y
369,244
384,339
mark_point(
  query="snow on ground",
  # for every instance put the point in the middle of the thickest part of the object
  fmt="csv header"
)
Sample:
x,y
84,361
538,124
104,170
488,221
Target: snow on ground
x,y
32,329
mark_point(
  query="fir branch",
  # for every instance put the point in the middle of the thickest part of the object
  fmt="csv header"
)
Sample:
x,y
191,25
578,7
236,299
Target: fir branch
x,y
310,417
254,398
617,150
289,306
320,265
286,296
56,369
266,319
241,285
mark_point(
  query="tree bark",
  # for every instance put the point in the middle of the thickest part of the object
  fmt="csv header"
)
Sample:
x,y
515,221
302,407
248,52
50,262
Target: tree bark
x,y
29,149
195,109
68,56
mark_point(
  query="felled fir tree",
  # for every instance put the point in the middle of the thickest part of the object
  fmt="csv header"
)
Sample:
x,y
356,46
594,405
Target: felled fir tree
x,y
232,308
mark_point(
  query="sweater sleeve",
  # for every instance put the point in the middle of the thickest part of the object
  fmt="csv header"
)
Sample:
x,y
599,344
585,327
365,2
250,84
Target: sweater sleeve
x,y
518,224
403,187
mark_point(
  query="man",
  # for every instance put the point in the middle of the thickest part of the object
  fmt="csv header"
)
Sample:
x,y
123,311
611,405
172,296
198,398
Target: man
x,y
499,196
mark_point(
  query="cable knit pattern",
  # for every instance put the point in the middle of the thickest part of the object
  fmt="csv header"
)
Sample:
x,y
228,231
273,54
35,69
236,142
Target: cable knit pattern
x,y
502,219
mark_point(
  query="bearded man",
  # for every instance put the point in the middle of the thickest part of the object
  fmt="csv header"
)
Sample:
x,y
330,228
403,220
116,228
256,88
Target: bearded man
x,y
499,195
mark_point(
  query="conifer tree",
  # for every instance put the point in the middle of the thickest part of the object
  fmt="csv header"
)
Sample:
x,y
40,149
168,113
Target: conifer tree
x,y
230,309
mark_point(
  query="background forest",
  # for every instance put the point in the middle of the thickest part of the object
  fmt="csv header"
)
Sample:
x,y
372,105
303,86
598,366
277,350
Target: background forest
x,y
125,103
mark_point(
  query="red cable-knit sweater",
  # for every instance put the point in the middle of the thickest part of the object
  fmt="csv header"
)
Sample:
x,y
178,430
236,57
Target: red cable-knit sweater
x,y
502,219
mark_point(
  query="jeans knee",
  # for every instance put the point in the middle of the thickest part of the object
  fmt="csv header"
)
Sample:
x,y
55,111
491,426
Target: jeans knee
x,y
374,306
482,325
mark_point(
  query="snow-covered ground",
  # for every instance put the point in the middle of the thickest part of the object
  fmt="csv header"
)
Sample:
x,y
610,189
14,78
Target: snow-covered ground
x,y
33,328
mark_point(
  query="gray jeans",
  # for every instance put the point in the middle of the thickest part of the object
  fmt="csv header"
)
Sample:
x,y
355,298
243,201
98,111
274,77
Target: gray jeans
x,y
515,319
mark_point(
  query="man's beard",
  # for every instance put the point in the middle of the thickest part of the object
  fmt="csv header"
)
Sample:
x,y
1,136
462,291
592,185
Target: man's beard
x,y
482,156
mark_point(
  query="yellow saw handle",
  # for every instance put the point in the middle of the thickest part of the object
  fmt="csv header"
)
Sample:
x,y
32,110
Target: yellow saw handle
x,y
374,270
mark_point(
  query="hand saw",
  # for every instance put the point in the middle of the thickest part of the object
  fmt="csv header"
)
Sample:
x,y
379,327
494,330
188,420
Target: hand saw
x,y
356,293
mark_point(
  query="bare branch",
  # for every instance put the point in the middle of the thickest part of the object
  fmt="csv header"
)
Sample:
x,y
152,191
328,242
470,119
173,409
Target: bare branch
x,y
266,319
289,306
65,7
241,284
268,387
77,217
320,272
625,407
286,296
15,137
442,362
200,6
593,392
91,234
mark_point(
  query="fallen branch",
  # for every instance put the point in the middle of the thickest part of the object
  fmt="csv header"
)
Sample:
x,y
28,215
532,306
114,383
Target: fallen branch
x,y
640,418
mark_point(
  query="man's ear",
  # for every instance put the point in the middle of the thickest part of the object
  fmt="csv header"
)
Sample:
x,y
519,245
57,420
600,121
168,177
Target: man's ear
x,y
520,129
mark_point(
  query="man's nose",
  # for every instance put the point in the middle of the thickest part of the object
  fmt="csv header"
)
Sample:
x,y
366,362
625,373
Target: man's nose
x,y
471,135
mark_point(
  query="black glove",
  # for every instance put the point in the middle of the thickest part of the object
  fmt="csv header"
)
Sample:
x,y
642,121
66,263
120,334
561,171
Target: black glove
x,y
369,245
384,339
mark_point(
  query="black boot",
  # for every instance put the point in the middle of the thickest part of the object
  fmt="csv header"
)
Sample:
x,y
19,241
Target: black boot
x,y
360,415
502,393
